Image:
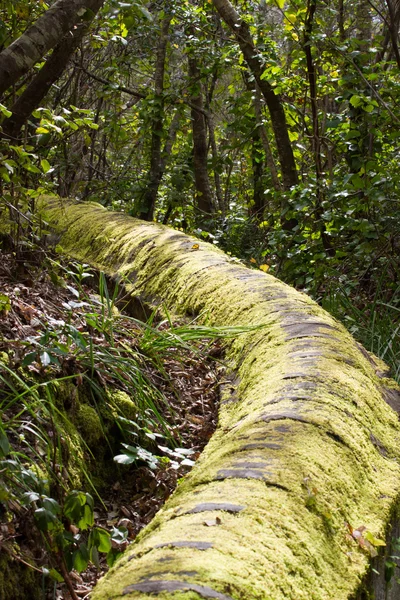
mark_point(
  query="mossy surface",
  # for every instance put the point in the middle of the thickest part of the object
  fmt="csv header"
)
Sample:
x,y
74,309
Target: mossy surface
x,y
18,582
305,441
122,404
89,425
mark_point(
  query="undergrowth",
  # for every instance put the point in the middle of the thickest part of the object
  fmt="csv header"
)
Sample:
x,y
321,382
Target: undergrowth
x,y
374,320
94,367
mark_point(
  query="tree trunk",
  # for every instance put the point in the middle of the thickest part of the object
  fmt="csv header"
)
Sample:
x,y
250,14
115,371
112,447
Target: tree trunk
x,y
243,36
54,67
213,143
265,141
41,37
204,196
305,464
316,138
258,206
157,127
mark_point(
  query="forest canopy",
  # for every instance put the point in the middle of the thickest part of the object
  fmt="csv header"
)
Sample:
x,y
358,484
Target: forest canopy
x,y
270,128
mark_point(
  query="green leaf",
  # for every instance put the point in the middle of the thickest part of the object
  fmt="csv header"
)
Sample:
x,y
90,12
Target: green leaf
x,y
112,556
4,443
4,111
94,557
105,541
56,576
368,108
45,359
5,303
81,558
51,505
87,518
45,519
31,168
373,540
31,496
356,100
124,459
73,505
29,359
46,166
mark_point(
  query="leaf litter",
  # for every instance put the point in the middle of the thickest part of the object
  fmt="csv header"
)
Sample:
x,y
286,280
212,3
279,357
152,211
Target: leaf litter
x,y
36,298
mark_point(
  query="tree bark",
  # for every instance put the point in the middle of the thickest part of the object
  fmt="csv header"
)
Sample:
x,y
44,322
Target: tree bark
x,y
41,37
316,138
306,450
394,20
213,143
243,36
52,70
204,199
258,206
265,141
157,127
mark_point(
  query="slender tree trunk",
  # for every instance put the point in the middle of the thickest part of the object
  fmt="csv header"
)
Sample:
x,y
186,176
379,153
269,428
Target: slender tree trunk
x,y
312,83
54,67
41,37
394,19
316,139
342,34
156,171
214,151
166,153
213,143
170,141
200,150
258,206
243,36
269,159
93,136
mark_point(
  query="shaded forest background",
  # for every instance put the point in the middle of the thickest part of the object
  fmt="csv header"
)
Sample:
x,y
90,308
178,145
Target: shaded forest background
x,y
269,128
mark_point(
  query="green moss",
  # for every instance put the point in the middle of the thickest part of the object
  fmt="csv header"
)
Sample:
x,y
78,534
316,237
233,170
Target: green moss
x,y
18,582
305,413
66,395
122,404
89,425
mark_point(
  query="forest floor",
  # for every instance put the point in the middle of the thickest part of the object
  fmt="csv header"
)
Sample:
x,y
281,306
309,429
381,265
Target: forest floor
x,y
38,296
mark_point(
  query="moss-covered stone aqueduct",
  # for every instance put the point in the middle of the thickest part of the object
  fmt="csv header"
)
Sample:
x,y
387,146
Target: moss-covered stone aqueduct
x,y
306,440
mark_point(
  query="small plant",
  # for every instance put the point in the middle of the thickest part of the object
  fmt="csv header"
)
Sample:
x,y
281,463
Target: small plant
x,y
87,345
390,564
65,519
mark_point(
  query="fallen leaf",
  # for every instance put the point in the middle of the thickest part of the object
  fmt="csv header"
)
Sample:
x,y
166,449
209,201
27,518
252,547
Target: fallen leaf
x,y
264,268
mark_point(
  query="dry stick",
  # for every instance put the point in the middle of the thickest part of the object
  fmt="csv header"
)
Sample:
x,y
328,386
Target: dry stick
x,y
19,559
67,579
